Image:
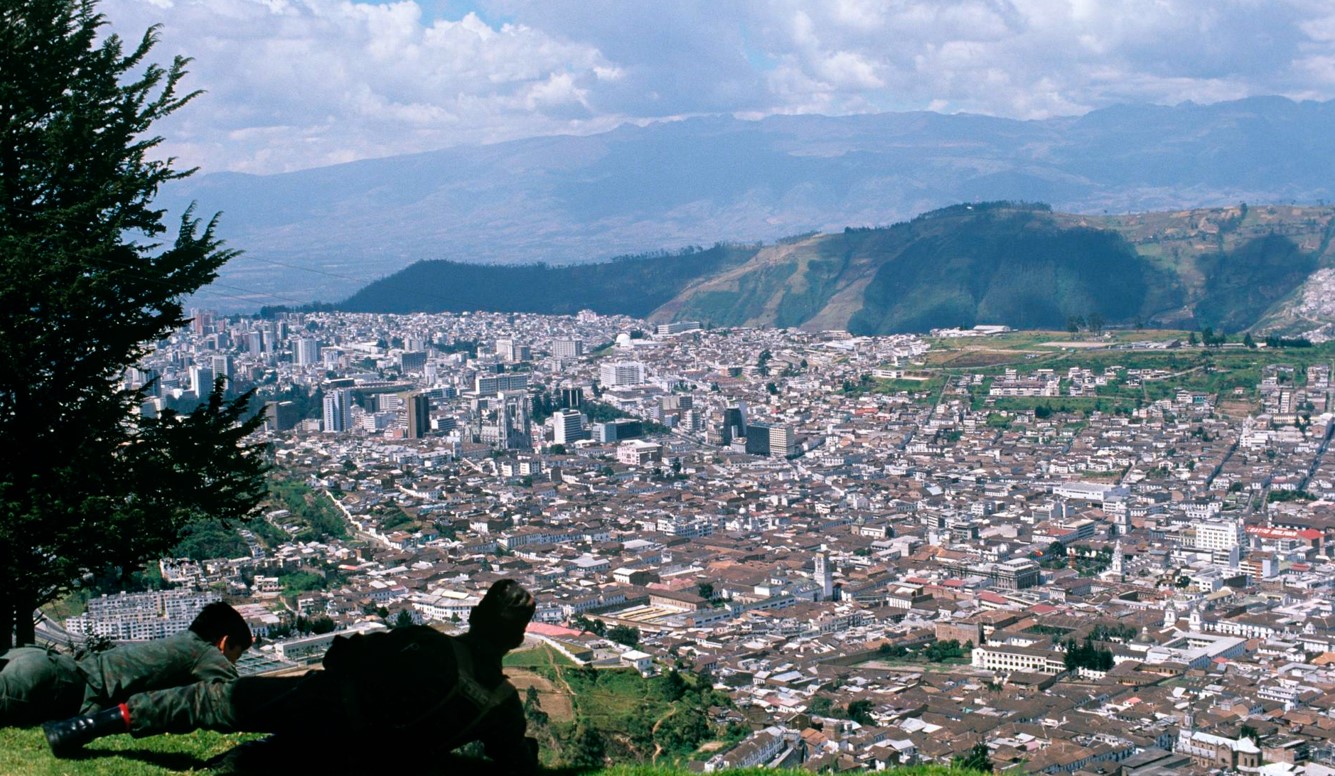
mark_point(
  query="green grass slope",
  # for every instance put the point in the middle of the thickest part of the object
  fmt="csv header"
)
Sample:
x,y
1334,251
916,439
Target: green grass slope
x,y
24,751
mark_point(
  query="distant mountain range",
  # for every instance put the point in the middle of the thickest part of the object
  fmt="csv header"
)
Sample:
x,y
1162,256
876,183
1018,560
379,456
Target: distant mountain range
x,y
1023,265
323,233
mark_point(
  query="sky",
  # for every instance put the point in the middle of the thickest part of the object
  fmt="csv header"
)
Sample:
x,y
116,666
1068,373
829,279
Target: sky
x,y
294,84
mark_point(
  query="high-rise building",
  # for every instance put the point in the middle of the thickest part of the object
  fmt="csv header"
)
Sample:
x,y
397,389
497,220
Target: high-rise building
x,y
487,385
567,348
734,423
280,416
412,361
567,427
307,351
511,352
201,380
621,373
770,439
572,398
617,430
338,411
419,415
222,367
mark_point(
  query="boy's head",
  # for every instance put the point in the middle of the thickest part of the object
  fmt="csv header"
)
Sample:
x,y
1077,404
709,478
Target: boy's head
x,y
503,614
225,628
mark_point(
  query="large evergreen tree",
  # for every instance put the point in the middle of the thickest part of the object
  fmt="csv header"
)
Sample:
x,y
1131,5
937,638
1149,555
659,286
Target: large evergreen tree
x,y
87,284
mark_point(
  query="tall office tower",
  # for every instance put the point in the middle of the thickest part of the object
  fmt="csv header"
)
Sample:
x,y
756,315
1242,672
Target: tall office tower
x,y
338,411
201,380
572,398
506,350
621,373
269,338
567,427
757,439
201,321
222,367
307,351
280,415
412,361
419,415
567,348
782,441
734,423
254,343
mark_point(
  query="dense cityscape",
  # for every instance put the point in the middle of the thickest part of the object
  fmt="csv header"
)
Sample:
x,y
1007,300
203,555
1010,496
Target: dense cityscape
x,y
1075,555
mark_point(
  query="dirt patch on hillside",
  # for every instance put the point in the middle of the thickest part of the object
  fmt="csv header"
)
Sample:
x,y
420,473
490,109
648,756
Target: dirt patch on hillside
x,y
1237,409
553,701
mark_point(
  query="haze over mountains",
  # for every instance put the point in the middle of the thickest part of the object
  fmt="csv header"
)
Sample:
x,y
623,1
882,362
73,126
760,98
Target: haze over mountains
x,y
323,233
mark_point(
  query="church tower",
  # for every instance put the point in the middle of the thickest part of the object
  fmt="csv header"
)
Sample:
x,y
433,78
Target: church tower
x,y
1118,567
825,575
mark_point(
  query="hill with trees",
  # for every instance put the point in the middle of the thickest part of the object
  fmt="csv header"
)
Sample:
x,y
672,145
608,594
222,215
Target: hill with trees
x,y
1018,264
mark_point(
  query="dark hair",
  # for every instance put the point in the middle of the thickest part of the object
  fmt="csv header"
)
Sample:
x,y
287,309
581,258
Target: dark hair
x,y
503,613
218,620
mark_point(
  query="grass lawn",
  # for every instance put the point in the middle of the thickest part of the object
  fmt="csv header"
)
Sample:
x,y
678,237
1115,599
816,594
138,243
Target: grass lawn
x,y
24,750
539,657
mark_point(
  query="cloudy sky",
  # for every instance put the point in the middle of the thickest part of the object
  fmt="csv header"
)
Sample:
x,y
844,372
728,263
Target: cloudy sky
x,y
302,83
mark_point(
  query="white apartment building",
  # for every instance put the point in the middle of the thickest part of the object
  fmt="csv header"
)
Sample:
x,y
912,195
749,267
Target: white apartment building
x,y
621,373
1222,535
1027,659
567,427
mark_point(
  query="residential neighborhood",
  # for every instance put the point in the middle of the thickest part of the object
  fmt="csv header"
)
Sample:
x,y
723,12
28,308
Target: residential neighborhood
x,y
881,558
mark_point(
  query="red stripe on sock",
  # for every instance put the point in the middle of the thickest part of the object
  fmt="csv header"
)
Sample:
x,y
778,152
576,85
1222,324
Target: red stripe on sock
x,y
125,714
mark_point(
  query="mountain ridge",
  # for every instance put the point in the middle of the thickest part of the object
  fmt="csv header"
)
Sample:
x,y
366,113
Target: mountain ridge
x,y
1019,264
664,186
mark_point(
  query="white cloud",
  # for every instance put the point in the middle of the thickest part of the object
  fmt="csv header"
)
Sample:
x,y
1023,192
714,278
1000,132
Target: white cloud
x,y
297,83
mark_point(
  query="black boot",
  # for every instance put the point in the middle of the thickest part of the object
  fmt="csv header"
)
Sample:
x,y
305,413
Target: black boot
x,y
68,736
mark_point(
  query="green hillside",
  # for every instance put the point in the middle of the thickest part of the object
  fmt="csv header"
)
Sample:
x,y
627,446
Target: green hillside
x,y
1243,283
1017,267
632,285
1008,263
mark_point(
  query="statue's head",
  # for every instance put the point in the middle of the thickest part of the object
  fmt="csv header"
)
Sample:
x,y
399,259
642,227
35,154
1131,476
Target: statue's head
x,y
503,614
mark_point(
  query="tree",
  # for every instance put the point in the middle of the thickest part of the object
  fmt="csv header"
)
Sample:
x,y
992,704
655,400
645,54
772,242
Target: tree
x,y
860,711
403,619
587,749
624,634
976,759
673,686
87,483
